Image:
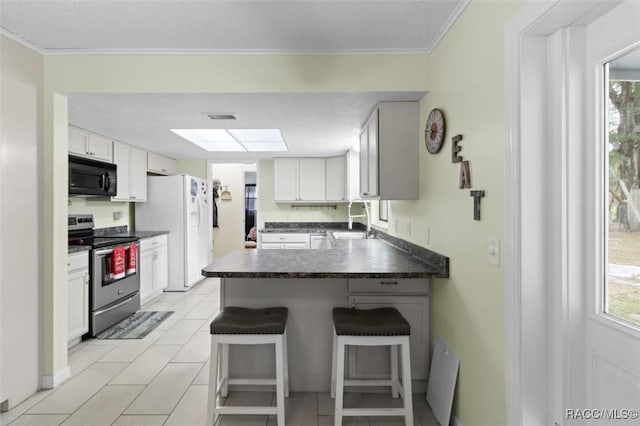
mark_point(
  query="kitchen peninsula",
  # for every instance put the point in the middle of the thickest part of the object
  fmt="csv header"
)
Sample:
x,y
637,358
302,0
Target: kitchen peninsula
x,y
364,273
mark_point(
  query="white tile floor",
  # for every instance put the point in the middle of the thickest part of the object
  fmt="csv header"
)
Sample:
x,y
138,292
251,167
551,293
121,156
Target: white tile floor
x,y
162,380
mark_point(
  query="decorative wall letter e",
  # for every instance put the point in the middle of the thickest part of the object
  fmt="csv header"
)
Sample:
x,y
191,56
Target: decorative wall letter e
x,y
455,149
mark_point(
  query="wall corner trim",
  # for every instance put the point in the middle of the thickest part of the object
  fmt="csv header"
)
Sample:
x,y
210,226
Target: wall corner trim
x,y
51,382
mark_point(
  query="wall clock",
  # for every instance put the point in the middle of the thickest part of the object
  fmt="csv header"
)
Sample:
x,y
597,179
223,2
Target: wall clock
x,y
434,131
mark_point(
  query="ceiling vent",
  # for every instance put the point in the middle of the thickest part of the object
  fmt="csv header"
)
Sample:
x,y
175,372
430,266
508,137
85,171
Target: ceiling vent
x,y
220,116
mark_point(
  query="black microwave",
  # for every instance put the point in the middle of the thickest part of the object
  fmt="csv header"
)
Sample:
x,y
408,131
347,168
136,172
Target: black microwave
x,y
91,178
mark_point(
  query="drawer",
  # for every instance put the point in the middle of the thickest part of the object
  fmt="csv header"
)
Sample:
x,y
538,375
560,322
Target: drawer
x,y
78,260
271,246
284,238
389,285
152,243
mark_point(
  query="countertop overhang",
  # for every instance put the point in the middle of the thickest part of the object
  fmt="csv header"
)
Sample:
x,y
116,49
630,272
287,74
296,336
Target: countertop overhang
x,y
369,258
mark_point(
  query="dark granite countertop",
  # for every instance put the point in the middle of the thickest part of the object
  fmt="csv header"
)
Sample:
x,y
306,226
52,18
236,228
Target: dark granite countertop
x,y
371,258
309,227
140,234
76,249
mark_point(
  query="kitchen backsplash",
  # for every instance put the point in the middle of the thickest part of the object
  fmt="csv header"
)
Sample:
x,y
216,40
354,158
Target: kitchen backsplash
x,y
104,212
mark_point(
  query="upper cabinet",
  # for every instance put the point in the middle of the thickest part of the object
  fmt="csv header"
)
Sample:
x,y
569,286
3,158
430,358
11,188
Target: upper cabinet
x,y
389,152
299,179
131,173
161,165
336,178
90,145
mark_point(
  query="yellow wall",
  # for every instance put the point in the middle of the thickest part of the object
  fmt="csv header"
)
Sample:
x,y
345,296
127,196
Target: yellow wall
x,y
102,211
197,168
20,245
230,233
466,82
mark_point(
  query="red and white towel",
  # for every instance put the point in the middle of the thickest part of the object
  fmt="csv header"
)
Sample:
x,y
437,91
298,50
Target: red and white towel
x,y
132,258
118,263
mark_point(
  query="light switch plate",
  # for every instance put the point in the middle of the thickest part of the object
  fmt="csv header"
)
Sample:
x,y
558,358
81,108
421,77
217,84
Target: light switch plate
x,y
493,252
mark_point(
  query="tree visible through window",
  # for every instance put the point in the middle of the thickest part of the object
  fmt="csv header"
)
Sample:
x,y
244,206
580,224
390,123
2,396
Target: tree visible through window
x,y
622,295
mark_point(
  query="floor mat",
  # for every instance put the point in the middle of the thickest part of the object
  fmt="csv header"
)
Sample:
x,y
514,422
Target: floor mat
x,y
136,326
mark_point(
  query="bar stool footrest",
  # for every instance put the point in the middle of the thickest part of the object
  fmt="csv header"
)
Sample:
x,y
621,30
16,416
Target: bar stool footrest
x,y
260,382
373,412
246,410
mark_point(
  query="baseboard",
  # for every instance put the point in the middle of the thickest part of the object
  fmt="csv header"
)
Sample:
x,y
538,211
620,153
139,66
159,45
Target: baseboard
x,y
455,421
50,382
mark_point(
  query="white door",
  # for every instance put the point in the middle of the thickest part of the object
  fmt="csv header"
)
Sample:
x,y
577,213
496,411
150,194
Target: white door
x,y
613,290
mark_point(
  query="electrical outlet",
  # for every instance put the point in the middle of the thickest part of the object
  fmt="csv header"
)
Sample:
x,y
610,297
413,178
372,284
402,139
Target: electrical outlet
x,y
493,252
409,228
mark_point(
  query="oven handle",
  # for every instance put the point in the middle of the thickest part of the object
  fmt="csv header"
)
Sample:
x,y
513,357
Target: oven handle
x,y
103,252
111,308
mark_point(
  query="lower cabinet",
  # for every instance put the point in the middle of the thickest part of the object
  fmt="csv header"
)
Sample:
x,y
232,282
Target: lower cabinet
x,y
154,267
373,361
77,295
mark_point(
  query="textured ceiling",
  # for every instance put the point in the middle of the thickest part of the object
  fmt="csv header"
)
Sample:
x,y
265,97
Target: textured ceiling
x,y
311,124
236,26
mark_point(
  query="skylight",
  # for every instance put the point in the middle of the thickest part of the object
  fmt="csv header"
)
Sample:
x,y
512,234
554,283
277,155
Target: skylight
x,y
239,140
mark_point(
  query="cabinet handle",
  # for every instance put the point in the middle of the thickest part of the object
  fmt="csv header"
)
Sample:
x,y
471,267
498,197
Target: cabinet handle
x,y
164,170
388,282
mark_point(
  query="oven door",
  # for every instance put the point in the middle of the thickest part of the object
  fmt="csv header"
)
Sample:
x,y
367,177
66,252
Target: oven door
x,y
106,287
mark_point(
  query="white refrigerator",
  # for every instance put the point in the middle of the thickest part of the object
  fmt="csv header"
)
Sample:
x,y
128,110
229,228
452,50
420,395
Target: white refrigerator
x,y
180,204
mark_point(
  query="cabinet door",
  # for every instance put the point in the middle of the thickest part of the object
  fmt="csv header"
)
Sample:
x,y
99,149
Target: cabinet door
x,y
373,361
78,141
364,162
161,268
138,175
372,156
77,303
122,159
285,179
100,147
311,173
336,170
146,275
160,164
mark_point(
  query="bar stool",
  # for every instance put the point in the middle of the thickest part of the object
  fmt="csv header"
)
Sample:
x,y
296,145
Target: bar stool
x,y
371,327
245,326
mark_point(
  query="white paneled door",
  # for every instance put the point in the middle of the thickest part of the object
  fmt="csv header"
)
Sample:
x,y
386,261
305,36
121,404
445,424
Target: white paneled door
x,y
613,292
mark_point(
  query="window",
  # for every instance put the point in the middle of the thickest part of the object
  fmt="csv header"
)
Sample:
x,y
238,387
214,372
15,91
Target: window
x,y
622,291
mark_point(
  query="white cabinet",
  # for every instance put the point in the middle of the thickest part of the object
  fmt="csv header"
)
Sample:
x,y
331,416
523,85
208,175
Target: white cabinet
x,y
154,267
336,178
299,179
389,152
90,145
131,172
159,164
77,295
284,241
372,361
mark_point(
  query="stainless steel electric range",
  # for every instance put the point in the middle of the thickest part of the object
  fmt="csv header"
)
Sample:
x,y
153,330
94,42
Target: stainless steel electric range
x,y
113,295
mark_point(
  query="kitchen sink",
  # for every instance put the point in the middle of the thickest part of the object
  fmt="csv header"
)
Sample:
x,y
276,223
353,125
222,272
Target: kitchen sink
x,y
348,235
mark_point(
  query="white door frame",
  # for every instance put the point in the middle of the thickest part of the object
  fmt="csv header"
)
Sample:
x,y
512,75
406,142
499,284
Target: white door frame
x,y
544,308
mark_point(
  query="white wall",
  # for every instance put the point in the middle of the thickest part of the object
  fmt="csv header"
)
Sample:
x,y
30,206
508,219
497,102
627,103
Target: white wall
x,y
20,182
229,236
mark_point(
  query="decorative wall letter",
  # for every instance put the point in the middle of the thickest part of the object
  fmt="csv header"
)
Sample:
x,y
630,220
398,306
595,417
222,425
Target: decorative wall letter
x,y
465,175
477,195
455,149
